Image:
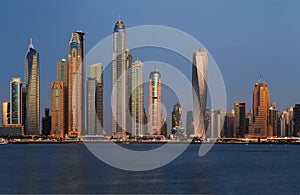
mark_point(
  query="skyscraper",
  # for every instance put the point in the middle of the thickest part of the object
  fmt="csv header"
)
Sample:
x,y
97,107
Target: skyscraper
x,y
155,102
273,117
96,73
164,127
297,120
91,106
32,83
5,113
261,104
189,124
283,123
120,81
58,129
46,122
177,117
137,98
16,101
62,75
199,82
229,124
75,83
290,121
24,94
239,119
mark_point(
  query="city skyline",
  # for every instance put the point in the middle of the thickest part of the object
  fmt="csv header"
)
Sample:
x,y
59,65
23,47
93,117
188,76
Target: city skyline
x,y
246,99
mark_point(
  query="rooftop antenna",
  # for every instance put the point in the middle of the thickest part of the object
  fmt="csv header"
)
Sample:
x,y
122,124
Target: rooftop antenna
x,y
30,43
119,18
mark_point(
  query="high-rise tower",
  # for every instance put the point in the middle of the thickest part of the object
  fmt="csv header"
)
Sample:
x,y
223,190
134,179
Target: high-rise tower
x,y
5,113
239,119
177,117
32,83
58,109
96,73
199,82
91,106
137,98
155,102
15,101
120,80
261,104
75,83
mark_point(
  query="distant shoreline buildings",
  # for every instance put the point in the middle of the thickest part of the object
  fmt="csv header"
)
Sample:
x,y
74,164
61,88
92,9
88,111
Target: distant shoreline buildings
x,y
77,102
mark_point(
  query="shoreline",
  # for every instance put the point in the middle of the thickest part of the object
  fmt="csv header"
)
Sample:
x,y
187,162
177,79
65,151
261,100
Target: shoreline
x,y
146,142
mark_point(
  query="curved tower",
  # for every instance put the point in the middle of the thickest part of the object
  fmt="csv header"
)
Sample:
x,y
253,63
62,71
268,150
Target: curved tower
x,y
199,82
32,82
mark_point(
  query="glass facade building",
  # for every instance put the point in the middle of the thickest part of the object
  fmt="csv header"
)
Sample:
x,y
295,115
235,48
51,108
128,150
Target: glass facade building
x,y
155,113
120,97
199,82
137,99
32,83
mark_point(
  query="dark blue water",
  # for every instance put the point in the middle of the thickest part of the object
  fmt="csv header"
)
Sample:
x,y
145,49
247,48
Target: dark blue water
x,y
226,169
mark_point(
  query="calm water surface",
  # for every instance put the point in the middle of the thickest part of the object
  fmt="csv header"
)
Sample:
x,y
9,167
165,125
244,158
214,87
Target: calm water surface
x,y
226,169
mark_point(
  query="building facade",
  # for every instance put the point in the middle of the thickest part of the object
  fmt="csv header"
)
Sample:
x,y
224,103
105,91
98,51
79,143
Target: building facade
x,y
137,108
46,123
5,113
96,73
239,119
177,117
15,101
297,120
76,83
120,80
32,83
91,106
261,104
189,124
58,128
155,114
199,82
273,117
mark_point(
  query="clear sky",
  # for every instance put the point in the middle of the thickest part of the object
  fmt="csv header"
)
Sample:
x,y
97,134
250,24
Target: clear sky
x,y
246,38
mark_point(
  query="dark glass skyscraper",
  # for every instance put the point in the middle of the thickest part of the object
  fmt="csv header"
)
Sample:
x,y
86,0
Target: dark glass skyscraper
x,y
15,101
32,83
239,119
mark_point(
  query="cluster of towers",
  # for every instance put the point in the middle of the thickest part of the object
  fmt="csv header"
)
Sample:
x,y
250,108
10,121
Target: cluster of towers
x,y
23,109
77,102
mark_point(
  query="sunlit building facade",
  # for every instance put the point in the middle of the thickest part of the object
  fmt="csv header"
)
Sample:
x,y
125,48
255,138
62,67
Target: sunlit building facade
x,y
177,117
5,113
155,113
261,104
76,84
199,82
120,98
58,128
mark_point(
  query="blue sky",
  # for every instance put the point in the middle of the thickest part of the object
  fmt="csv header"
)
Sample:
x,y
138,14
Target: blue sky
x,y
246,38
